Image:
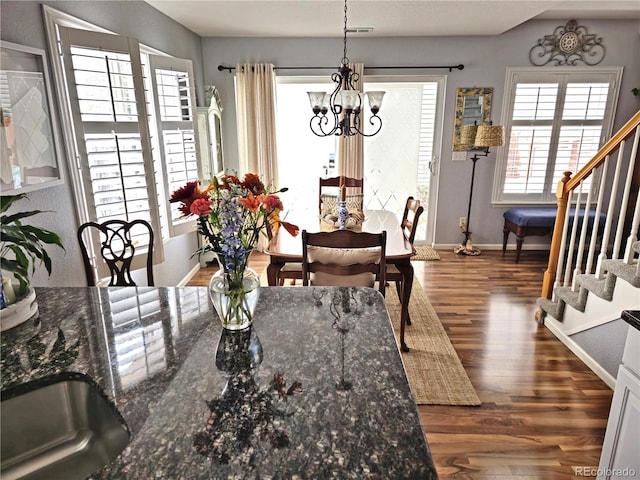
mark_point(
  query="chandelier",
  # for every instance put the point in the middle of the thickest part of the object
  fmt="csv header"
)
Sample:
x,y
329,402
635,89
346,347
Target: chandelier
x,y
338,112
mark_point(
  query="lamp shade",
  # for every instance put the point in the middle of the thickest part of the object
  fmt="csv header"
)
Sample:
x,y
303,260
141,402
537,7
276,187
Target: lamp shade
x,y
468,134
349,99
489,136
375,100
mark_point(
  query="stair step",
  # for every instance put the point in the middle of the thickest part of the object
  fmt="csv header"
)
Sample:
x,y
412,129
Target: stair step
x,y
603,288
577,300
554,309
625,271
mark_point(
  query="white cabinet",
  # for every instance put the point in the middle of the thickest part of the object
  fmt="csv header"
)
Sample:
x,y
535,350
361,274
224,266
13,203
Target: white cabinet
x,y
621,448
210,146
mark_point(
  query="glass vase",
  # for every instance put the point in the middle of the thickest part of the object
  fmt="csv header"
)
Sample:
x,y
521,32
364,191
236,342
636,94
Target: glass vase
x,y
234,290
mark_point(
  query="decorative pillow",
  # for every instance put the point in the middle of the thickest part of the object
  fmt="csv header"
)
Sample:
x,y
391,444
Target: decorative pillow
x,y
343,256
329,203
354,201
329,212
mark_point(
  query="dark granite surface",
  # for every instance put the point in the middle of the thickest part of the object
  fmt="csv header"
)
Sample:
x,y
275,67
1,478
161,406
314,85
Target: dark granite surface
x,y
316,389
632,317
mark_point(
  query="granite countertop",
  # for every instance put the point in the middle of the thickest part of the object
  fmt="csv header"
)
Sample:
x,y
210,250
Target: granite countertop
x,y
315,389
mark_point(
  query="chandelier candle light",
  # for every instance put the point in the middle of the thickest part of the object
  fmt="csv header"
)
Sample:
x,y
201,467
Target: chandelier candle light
x,y
479,139
338,112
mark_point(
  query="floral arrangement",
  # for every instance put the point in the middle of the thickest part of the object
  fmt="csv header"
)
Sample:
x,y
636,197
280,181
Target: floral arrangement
x,y
232,213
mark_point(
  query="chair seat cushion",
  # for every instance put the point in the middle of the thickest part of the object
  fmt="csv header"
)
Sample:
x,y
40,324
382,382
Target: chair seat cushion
x,y
343,256
291,267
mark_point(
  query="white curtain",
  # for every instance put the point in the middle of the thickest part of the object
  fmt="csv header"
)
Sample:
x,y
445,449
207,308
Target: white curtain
x,y
351,149
256,106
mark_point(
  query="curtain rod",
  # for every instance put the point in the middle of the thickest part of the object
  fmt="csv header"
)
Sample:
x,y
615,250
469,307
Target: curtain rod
x,y
449,67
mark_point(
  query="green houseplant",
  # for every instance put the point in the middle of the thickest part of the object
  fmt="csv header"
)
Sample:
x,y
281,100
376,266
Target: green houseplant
x,y
22,246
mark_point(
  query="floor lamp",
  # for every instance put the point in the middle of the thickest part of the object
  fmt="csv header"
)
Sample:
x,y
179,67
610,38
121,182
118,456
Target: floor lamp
x,y
480,138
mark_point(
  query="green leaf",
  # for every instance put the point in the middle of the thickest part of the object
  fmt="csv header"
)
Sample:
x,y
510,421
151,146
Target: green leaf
x,y
21,258
44,235
18,216
7,200
12,266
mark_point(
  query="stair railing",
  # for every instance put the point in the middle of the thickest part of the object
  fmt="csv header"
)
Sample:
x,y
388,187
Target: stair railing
x,y
565,264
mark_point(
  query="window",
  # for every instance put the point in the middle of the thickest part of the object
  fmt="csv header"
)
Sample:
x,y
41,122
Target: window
x,y
555,121
129,118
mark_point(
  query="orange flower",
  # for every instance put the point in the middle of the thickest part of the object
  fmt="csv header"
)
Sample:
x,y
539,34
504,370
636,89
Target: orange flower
x,y
291,228
251,202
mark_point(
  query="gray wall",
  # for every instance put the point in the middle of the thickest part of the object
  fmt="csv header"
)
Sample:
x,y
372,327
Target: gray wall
x,y
22,23
485,60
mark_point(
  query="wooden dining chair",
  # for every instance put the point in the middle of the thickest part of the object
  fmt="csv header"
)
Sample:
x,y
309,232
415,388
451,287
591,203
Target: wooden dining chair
x,y
409,225
118,244
412,212
356,184
344,258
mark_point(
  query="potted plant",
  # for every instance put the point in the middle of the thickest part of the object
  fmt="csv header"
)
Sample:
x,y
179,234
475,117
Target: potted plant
x,y
21,247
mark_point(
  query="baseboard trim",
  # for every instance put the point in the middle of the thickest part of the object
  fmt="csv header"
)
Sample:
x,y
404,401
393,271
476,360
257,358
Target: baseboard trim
x,y
494,246
606,377
189,276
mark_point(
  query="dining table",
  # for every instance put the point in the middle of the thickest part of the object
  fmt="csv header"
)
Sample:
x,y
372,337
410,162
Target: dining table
x,y
314,389
284,248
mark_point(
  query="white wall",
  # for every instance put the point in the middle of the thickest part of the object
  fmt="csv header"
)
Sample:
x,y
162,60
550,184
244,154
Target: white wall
x,y
485,60
22,23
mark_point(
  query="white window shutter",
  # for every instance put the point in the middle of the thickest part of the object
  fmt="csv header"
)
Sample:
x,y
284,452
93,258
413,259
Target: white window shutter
x,y
176,113
555,121
106,95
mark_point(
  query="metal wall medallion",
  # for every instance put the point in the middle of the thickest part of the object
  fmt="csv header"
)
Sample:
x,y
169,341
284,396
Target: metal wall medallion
x,y
568,45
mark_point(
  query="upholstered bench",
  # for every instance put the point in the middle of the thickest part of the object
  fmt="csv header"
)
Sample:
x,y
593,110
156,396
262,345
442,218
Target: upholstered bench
x,y
524,222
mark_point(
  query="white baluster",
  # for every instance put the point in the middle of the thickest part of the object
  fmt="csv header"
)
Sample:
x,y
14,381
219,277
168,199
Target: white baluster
x,y
572,242
596,224
635,223
623,204
583,229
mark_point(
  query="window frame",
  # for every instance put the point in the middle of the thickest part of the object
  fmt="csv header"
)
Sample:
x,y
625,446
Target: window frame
x,y
561,76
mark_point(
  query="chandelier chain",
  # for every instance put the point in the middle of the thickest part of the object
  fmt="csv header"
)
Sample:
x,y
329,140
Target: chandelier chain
x,y
345,60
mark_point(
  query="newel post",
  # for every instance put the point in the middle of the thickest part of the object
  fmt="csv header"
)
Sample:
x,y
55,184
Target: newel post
x,y
554,254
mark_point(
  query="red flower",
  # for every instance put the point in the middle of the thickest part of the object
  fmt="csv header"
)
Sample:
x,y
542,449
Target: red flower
x,y
201,206
185,193
291,228
253,183
271,203
228,180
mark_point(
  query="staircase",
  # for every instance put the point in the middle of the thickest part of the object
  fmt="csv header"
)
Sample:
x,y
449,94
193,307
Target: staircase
x,y
594,272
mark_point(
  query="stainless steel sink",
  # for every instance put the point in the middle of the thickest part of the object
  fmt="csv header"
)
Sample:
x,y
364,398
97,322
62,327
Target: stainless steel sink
x,y
64,429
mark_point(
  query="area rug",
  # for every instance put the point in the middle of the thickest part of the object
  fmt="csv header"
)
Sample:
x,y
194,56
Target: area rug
x,y
425,253
433,368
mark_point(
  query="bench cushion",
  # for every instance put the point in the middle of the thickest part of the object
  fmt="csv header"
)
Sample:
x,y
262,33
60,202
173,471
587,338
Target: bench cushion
x,y
543,217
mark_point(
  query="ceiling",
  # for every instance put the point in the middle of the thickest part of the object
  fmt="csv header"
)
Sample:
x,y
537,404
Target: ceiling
x,y
325,18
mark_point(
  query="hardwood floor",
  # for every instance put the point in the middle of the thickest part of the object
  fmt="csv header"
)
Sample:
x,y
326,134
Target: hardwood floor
x,y
543,413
